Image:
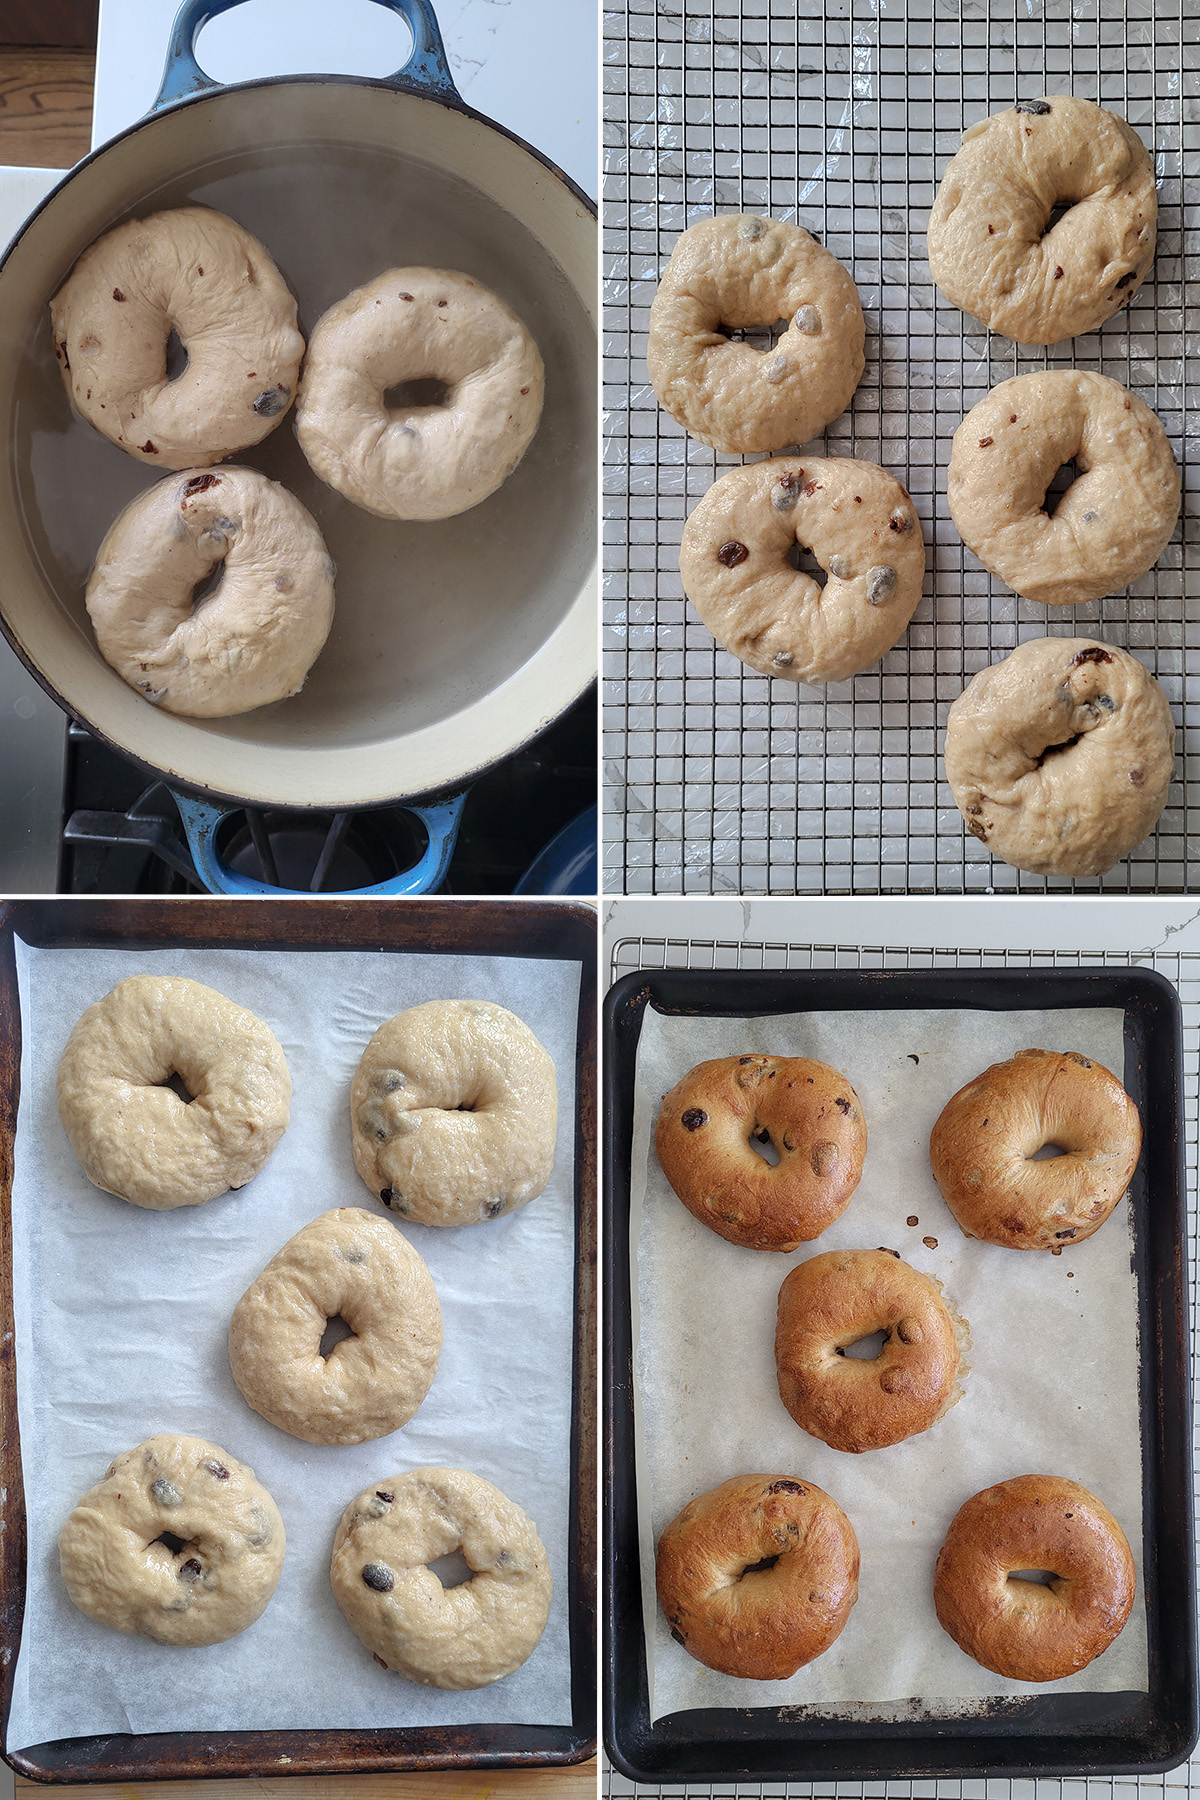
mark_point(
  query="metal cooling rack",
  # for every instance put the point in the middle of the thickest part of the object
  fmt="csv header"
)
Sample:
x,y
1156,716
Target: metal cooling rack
x,y
841,115
1182,968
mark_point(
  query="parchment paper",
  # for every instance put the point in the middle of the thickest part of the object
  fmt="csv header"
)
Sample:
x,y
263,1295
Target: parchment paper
x,y
121,1322
1051,1386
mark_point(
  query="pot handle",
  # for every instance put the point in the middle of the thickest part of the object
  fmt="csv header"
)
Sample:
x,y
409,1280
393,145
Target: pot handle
x,y
426,70
201,818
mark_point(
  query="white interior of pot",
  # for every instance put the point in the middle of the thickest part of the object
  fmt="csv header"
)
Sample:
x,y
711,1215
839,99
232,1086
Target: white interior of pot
x,y
453,641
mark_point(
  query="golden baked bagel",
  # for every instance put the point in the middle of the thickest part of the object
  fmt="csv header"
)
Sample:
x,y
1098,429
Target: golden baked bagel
x,y
983,1146
758,1576
1019,1627
805,1110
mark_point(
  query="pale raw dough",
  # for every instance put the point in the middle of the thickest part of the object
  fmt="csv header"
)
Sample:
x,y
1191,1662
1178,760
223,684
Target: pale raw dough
x,y
134,1136
739,273
1061,756
987,251
249,641
419,461
862,528
1113,522
353,1265
199,273
454,1112
456,1637
220,1578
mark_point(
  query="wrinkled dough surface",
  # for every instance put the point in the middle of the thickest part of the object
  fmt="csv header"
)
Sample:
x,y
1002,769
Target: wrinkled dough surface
x,y
198,273
987,251
854,1403
253,638
138,1139
812,1117
454,1113
1060,757
739,273
1022,1629
863,530
220,1579
760,1624
1114,521
352,1265
418,461
982,1148
458,1637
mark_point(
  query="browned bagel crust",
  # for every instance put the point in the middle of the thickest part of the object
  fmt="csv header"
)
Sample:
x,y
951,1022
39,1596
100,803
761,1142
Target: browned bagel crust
x,y
810,1114
982,1145
1020,1628
848,1402
731,1615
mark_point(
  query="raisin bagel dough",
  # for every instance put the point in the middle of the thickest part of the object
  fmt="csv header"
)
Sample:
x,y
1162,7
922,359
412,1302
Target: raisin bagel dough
x,y
457,1637
352,1265
806,1110
1022,1629
118,1570
1113,522
414,460
255,636
860,525
133,1135
987,252
1060,757
758,1623
198,273
739,273
986,1137
849,1402
454,1113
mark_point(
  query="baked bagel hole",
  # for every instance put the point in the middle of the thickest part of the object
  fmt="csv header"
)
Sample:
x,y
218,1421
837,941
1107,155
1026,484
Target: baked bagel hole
x,y
1036,1577
422,392
759,1568
1046,1152
176,355
866,1349
801,558
760,1143
452,1570
336,1332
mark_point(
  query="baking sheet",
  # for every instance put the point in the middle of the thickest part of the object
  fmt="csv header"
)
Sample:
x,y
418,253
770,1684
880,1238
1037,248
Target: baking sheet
x,y
121,1318
1051,1383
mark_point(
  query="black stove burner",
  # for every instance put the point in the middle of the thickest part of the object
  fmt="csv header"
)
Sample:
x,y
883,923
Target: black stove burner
x,y
122,835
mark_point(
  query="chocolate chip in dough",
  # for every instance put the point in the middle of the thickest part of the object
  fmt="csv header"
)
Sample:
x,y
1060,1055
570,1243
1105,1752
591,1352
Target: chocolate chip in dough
x,y
378,1576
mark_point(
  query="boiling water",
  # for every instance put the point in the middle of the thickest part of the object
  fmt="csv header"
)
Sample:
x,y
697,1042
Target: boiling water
x,y
430,616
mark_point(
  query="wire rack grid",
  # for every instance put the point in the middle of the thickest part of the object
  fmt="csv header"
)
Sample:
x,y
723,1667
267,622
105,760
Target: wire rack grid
x,y
1182,968
841,116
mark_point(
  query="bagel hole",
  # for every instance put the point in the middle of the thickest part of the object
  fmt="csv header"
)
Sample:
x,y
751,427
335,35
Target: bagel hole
x,y
204,590
1052,750
336,1332
801,558
866,1349
1062,481
1046,1152
1058,211
768,1562
174,1544
426,390
1039,1577
760,1143
177,356
452,1569
759,337
178,1086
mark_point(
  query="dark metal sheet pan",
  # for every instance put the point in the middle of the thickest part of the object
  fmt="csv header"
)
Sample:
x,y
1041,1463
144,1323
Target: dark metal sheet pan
x,y
1045,1735
448,927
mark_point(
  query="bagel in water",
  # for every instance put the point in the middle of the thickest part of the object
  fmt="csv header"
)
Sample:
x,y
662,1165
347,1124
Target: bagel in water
x,y
994,248
419,458
986,1138
741,273
247,638
196,274
758,1576
1017,1626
